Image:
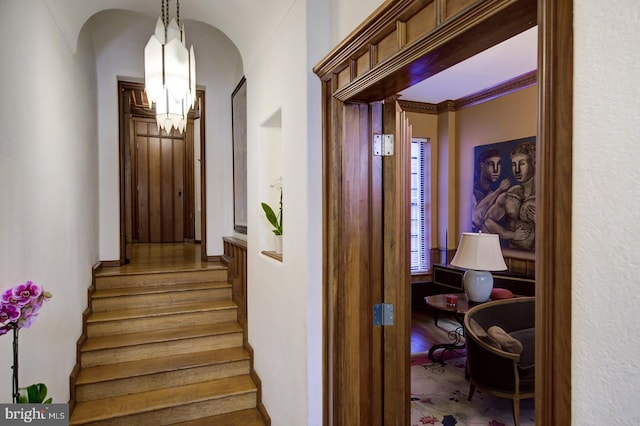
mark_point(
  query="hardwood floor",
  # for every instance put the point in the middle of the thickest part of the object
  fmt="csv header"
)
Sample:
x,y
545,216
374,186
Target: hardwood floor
x,y
424,332
154,257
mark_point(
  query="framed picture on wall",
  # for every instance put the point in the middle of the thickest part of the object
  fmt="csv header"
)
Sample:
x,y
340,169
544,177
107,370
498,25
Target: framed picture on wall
x,y
239,125
504,192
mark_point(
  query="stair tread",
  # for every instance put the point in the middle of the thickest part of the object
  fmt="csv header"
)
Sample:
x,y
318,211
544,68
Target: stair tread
x,y
250,417
138,368
161,288
120,406
131,339
162,310
161,269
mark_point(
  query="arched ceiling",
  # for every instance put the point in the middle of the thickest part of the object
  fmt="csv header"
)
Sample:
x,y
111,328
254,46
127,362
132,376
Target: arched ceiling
x,y
244,22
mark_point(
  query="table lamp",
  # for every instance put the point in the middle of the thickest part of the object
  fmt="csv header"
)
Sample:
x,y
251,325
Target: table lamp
x,y
479,253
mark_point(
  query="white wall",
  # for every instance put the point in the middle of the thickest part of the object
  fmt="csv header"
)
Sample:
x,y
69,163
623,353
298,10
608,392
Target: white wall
x,y
279,328
120,37
48,188
606,220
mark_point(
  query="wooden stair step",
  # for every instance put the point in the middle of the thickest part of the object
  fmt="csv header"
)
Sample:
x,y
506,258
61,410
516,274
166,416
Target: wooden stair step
x,y
155,311
107,279
121,370
163,288
135,346
160,317
250,417
131,298
160,336
169,405
143,375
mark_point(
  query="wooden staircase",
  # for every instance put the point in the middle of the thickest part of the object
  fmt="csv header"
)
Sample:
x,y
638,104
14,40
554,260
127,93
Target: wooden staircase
x,y
164,348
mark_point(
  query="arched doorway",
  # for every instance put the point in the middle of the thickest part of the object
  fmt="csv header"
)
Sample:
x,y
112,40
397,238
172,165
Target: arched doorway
x,y
184,164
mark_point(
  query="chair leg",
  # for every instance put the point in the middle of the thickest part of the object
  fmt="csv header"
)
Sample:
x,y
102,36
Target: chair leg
x,y
472,389
516,411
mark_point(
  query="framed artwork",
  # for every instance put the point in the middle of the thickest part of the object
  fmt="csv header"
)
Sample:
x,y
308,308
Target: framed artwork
x,y
504,192
239,126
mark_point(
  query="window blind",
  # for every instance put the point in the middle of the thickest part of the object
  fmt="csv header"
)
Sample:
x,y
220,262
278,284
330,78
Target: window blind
x,y
420,204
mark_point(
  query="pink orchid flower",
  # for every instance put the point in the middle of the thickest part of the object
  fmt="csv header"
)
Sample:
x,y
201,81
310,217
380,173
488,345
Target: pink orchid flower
x,y
9,313
5,329
7,297
26,292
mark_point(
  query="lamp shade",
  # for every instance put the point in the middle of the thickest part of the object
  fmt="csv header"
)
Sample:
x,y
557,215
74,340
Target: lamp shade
x,y
170,72
480,252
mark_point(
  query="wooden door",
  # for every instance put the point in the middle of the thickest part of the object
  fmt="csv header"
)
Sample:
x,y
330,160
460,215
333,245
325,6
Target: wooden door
x,y
370,362
396,193
353,283
159,184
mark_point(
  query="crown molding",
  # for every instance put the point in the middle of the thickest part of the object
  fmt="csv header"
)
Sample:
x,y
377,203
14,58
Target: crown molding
x,y
421,107
517,83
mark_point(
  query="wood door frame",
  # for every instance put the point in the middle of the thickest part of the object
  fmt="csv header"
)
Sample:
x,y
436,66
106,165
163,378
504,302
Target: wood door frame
x,y
124,109
361,69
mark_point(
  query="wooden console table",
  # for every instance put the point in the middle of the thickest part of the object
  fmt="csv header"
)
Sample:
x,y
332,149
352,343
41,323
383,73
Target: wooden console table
x,y
451,277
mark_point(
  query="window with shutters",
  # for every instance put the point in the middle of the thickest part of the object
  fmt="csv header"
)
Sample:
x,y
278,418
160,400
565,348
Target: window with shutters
x,y
420,204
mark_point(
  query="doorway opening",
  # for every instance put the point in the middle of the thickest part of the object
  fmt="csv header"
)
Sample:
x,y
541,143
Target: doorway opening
x,y
389,52
162,175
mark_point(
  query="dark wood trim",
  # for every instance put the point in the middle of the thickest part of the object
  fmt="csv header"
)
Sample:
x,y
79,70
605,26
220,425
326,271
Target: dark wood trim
x,y
123,128
553,229
420,107
472,30
273,255
235,258
396,196
73,377
215,258
475,29
239,131
203,175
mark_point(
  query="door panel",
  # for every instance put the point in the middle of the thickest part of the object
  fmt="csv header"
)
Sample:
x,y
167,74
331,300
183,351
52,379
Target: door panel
x,y
396,190
355,221
160,175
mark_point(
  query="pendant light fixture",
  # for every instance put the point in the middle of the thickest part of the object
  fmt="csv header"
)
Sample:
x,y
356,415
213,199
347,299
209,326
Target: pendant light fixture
x,y
170,71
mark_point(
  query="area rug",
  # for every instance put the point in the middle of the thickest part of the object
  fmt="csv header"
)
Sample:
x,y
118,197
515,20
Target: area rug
x,y
423,357
439,397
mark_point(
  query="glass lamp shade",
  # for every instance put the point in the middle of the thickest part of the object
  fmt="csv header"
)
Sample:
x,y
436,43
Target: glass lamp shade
x,y
170,75
479,253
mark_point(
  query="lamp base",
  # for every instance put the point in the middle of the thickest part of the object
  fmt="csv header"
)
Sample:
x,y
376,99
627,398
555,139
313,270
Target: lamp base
x,y
478,285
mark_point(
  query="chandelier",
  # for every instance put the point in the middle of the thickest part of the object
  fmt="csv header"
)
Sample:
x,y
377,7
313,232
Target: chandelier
x,y
170,71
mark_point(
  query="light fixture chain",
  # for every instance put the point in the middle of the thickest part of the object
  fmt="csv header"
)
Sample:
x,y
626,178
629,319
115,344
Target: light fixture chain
x,y
178,11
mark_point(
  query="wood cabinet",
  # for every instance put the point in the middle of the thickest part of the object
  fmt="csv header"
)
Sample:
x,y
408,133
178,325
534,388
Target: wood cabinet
x,y
450,277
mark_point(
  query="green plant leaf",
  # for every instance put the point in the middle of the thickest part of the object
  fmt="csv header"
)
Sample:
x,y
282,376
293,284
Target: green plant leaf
x,y
34,394
272,218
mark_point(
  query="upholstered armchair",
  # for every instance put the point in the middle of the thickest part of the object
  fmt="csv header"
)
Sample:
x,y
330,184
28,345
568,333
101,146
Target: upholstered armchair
x,y
500,339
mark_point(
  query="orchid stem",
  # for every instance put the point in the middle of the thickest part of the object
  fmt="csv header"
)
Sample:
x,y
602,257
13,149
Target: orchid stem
x,y
14,367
